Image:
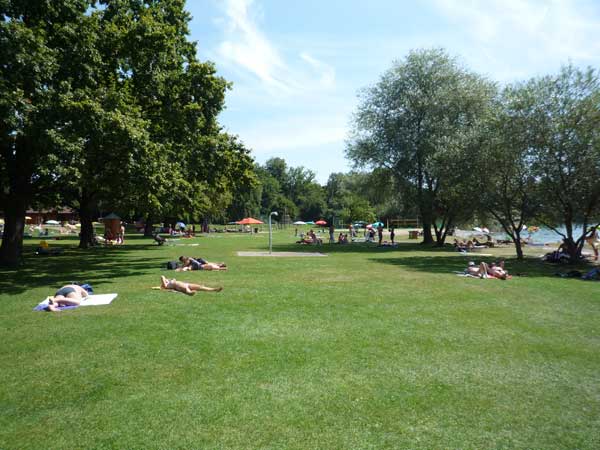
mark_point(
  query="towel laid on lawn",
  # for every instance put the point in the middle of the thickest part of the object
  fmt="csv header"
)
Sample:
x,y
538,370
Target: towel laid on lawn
x,y
90,300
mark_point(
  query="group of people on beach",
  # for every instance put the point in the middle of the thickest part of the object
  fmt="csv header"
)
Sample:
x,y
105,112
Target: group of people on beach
x,y
309,238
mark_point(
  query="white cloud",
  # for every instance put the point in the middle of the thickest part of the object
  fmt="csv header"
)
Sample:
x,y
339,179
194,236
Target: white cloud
x,y
327,72
249,50
525,34
296,133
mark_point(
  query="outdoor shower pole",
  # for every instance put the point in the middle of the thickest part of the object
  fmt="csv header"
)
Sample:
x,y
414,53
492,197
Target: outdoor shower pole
x,y
274,213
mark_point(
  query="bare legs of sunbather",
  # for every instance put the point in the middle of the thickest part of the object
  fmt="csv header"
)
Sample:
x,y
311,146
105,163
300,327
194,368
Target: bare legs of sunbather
x,y
478,271
186,288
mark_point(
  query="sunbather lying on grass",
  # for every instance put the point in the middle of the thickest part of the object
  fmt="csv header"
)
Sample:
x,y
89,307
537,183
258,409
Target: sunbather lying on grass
x,y
199,264
186,288
69,295
484,270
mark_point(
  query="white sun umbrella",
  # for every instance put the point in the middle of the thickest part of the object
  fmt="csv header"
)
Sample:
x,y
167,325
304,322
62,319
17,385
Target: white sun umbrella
x,y
299,222
52,222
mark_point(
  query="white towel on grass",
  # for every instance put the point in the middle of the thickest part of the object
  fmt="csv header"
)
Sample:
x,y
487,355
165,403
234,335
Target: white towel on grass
x,y
90,300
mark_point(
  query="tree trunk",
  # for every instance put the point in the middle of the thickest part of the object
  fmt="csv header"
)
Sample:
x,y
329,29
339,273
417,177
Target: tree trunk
x,y
148,228
573,249
440,235
86,209
86,235
518,246
427,236
12,240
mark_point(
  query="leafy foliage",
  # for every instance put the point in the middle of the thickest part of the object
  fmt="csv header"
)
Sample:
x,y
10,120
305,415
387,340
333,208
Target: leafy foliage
x,y
421,109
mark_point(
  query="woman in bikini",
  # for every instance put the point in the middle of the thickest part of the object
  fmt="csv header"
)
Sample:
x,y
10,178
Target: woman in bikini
x,y
186,288
69,295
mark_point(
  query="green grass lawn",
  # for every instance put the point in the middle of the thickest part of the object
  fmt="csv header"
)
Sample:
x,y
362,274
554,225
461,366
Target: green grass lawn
x,y
367,348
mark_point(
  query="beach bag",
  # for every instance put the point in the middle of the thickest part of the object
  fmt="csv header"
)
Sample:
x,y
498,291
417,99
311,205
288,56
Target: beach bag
x,y
172,265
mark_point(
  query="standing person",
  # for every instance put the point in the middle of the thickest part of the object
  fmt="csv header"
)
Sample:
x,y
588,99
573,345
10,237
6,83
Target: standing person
x,y
392,235
380,233
592,239
331,234
351,231
193,229
121,236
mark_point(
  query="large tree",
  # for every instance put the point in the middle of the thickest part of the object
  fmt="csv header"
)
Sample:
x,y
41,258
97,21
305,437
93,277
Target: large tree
x,y
31,81
508,191
105,102
566,151
420,107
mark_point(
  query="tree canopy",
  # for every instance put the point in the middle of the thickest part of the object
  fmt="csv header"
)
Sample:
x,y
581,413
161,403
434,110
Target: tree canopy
x,y
422,108
104,103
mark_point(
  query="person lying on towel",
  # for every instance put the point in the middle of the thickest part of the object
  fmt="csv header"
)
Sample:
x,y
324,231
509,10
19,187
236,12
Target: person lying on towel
x,y
69,295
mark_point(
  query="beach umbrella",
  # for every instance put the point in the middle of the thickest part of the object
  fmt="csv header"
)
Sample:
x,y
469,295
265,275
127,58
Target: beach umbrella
x,y
249,221
52,222
369,226
299,222
376,224
479,230
310,223
321,222
180,225
27,218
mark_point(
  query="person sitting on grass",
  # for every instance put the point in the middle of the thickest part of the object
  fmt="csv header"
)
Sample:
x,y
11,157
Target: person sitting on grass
x,y
310,238
159,239
68,295
342,238
463,246
198,264
186,288
560,255
488,243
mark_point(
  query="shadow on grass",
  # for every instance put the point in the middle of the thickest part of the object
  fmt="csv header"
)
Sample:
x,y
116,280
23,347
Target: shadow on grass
x,y
425,258
95,265
360,247
529,266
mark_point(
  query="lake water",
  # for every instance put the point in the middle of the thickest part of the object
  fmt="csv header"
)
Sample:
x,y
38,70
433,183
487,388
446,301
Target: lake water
x,y
542,236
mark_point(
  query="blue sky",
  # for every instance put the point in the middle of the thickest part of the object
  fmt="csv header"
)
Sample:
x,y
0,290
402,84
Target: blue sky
x,y
298,65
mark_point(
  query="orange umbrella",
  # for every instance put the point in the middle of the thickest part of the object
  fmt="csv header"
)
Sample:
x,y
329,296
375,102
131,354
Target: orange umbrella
x,y
249,221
